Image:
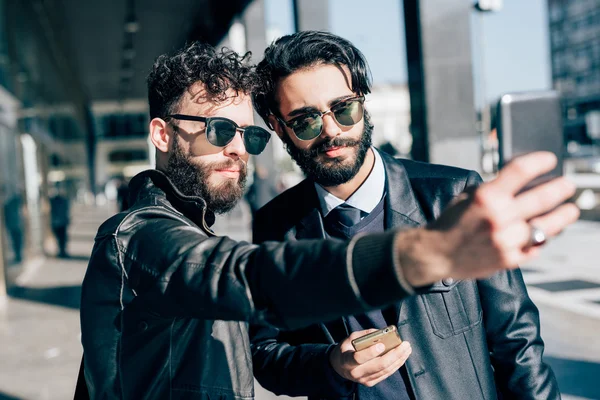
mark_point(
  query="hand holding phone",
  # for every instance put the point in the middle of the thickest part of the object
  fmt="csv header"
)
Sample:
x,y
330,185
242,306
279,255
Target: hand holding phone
x,y
388,336
372,364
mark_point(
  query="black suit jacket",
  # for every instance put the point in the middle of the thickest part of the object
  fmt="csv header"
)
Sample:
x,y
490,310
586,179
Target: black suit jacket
x,y
470,339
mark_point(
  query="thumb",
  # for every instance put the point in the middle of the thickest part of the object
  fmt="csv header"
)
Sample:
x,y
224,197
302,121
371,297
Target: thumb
x,y
346,345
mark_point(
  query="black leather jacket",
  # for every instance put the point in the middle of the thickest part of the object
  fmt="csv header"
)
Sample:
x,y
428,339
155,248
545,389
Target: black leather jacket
x,y
165,302
470,339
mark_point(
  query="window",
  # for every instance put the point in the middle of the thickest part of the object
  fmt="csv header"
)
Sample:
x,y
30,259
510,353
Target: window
x,y
556,12
123,125
118,156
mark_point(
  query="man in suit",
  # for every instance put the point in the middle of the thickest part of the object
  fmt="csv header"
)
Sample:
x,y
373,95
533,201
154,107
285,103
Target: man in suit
x,y
477,339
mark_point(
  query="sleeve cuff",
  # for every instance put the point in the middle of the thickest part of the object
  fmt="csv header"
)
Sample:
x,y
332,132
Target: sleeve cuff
x,y
340,386
377,275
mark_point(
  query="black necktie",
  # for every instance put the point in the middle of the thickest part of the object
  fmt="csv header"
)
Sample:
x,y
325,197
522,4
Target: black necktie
x,y
344,214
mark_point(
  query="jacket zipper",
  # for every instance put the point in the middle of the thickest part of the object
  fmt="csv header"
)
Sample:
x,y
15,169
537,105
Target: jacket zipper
x,y
206,228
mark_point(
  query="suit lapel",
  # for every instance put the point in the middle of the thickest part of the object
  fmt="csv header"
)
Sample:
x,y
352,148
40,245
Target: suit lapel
x,y
402,208
311,226
401,205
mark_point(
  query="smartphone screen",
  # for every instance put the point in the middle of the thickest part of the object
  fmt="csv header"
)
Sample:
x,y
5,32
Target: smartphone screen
x,y
529,122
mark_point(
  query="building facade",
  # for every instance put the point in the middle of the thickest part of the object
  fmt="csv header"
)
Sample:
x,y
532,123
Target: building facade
x,y
575,51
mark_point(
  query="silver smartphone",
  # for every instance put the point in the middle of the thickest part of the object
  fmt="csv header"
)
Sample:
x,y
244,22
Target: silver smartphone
x,y
528,122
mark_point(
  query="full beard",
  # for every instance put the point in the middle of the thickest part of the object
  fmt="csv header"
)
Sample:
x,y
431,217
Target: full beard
x,y
332,172
191,179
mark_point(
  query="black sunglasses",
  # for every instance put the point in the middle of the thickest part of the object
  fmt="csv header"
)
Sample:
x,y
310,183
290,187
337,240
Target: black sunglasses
x,y
221,131
308,126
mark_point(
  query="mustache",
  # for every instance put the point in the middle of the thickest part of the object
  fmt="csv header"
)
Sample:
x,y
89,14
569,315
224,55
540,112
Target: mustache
x,y
335,142
239,163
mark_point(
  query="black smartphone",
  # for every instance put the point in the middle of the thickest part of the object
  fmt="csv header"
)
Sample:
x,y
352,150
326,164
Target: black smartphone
x,y
528,122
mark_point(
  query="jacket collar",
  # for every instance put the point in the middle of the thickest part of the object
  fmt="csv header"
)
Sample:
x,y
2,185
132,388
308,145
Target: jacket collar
x,y
401,205
153,183
310,225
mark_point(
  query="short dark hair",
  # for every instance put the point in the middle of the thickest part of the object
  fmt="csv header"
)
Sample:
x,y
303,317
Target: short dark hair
x,y
301,50
173,74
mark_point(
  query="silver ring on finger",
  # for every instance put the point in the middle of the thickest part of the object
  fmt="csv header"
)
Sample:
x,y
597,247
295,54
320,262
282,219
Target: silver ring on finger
x,y
537,237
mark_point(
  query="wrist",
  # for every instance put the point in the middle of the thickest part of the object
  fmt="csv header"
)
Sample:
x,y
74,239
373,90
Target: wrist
x,y
338,385
331,357
421,256
334,361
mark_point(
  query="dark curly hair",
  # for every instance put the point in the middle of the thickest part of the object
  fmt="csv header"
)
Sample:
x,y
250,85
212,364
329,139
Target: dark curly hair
x,y
302,50
173,74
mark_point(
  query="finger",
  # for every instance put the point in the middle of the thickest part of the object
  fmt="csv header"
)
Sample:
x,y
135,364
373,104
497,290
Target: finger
x,y
530,252
377,377
514,237
557,220
374,379
346,345
522,170
544,197
551,224
366,355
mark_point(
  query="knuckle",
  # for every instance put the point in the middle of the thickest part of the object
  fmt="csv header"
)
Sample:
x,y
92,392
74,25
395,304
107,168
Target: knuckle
x,y
497,239
389,363
482,196
569,188
356,376
572,213
404,356
546,199
521,167
345,367
488,224
498,243
509,259
503,258
395,365
388,370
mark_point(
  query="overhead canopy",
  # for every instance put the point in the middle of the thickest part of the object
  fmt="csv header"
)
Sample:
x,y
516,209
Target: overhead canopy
x,y
86,45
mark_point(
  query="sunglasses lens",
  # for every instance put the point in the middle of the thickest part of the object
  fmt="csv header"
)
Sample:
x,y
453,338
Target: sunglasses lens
x,y
348,113
220,132
308,127
256,139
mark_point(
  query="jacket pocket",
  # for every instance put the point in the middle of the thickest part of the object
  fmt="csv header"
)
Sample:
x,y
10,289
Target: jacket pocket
x,y
453,307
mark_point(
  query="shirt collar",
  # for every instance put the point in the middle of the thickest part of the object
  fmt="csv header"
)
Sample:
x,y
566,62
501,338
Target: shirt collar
x,y
366,197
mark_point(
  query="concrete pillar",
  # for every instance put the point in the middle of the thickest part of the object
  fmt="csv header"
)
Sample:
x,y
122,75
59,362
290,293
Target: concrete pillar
x,y
311,15
440,79
253,20
8,130
90,132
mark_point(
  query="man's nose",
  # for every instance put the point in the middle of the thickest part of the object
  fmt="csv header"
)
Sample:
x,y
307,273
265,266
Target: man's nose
x,y
236,148
330,126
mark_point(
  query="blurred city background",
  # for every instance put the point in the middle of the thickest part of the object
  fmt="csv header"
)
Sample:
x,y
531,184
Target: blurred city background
x,y
73,131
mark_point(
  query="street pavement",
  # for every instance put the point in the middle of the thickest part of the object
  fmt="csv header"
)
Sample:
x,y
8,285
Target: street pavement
x,y
39,323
